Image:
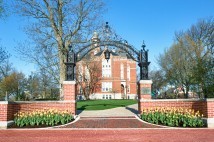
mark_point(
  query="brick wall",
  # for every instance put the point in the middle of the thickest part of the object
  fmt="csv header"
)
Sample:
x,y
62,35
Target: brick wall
x,y
206,107
8,109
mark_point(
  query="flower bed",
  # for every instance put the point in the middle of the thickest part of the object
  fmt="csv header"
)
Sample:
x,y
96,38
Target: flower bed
x,y
178,117
45,117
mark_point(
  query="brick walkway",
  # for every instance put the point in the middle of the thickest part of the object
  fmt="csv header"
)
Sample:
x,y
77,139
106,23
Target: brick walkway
x,y
108,129
108,135
109,122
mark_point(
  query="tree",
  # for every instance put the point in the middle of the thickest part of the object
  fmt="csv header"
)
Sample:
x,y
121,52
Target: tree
x,y
114,91
33,85
1,8
88,76
3,55
158,80
46,84
175,64
13,85
5,68
5,65
199,42
55,25
189,61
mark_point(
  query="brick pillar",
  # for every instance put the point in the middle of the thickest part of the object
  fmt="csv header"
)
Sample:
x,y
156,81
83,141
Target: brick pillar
x,y
210,113
144,92
5,114
69,89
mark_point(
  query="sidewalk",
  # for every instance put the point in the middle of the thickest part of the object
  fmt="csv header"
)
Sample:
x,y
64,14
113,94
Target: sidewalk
x,y
131,110
120,117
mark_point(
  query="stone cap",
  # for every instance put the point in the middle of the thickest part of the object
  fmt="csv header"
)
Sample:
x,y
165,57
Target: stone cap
x,y
145,81
69,82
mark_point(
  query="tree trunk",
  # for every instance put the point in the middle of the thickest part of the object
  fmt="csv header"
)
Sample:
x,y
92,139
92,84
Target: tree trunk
x,y
187,91
62,72
85,94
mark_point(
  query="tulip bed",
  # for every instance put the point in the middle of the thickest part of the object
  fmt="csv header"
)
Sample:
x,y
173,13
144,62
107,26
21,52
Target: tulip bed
x,y
48,117
174,117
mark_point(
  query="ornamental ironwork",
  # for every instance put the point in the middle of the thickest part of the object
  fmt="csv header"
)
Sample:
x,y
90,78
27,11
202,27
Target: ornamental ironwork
x,y
108,41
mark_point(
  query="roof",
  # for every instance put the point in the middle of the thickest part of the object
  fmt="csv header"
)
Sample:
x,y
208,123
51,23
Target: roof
x,y
115,53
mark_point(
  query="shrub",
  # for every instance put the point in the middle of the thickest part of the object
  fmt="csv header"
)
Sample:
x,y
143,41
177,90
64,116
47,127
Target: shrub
x,y
49,117
173,117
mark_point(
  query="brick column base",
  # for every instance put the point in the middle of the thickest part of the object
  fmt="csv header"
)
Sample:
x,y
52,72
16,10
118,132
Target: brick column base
x,y
144,92
5,113
69,89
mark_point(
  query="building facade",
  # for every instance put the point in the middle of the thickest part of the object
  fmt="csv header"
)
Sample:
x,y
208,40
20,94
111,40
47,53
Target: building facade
x,y
116,78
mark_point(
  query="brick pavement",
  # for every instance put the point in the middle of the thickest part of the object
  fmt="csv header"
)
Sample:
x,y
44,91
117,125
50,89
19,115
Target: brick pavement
x,y
108,129
108,135
110,122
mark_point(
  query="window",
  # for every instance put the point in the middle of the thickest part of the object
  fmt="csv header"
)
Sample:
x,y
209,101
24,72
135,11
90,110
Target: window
x,y
128,89
121,71
110,97
106,68
103,96
106,86
106,96
128,72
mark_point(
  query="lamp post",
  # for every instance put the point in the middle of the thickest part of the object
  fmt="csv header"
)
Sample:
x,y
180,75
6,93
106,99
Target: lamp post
x,y
107,54
107,32
143,63
70,64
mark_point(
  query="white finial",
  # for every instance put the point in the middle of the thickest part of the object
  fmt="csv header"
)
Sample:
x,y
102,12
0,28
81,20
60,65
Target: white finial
x,y
95,35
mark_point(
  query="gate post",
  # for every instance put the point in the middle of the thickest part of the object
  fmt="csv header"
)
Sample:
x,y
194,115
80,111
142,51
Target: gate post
x,y
69,89
144,92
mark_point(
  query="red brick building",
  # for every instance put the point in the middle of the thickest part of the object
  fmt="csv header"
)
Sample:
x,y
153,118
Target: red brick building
x,y
117,76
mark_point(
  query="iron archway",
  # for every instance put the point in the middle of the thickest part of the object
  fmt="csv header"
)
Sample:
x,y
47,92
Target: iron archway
x,y
140,56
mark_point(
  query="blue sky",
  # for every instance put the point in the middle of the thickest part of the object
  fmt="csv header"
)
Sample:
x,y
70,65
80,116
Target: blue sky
x,y
154,21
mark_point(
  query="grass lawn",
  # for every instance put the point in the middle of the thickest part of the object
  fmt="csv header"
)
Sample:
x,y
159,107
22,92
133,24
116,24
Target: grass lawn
x,y
103,104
